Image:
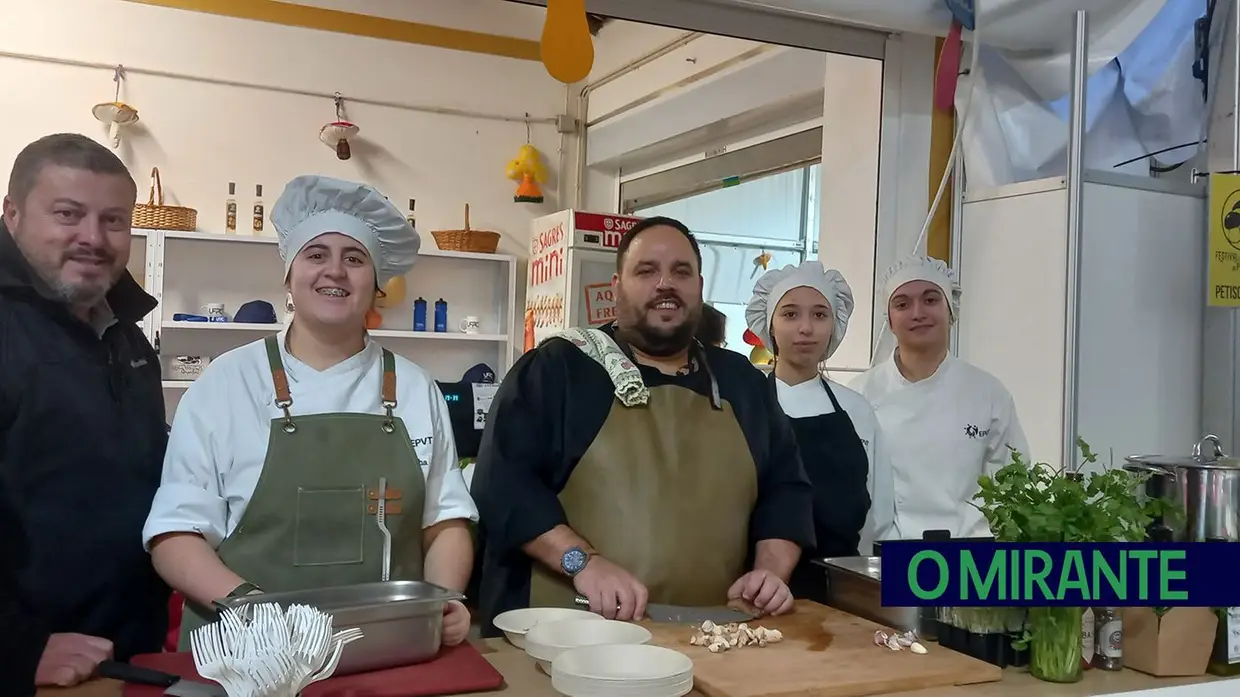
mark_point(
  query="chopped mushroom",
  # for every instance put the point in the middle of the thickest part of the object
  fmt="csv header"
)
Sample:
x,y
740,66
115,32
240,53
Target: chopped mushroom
x,y
719,638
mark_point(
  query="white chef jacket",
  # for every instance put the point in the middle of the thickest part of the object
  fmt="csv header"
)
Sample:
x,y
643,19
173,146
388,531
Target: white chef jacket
x,y
808,399
942,433
219,435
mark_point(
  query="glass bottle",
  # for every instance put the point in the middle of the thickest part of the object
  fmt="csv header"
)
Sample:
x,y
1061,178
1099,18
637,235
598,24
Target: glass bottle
x,y
1087,638
259,211
1225,658
230,210
1108,639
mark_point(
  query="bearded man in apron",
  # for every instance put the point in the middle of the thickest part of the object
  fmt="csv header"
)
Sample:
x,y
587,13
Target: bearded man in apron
x,y
632,464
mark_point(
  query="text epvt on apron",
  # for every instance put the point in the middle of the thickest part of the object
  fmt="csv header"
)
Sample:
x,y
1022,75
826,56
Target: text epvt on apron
x,y
665,490
314,520
837,465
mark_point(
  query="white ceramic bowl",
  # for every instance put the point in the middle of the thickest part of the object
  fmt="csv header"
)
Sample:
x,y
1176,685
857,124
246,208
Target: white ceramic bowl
x,y
546,640
515,623
622,671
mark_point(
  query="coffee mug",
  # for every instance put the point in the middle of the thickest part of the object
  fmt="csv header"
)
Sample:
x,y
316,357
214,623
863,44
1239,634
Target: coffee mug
x,y
470,325
214,312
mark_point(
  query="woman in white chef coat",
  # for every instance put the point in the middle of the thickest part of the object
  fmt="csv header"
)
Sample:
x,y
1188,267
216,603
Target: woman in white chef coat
x,y
946,422
315,457
800,313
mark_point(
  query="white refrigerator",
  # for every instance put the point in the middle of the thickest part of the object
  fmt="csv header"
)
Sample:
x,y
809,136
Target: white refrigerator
x,y
572,259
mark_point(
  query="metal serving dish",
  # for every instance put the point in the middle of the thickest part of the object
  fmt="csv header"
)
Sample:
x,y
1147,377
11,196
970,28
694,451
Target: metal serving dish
x,y
402,621
854,585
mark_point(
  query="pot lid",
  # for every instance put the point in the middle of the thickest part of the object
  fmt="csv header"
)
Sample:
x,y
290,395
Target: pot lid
x,y
1207,454
1172,461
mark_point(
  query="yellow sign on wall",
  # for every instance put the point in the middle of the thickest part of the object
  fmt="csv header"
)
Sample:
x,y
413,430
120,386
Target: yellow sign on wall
x,y
1224,242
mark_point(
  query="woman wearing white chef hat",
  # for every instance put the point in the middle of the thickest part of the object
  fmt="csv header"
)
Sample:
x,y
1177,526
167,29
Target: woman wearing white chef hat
x,y
284,452
946,422
800,313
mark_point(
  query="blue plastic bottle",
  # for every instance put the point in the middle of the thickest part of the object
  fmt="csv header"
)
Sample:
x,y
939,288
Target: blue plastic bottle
x,y
419,315
441,315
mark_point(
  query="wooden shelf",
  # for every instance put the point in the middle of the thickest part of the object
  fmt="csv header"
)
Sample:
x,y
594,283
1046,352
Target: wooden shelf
x,y
428,244
186,270
377,333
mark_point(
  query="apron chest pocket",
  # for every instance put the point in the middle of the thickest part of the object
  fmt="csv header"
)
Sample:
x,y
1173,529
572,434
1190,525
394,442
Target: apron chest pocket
x,y
330,527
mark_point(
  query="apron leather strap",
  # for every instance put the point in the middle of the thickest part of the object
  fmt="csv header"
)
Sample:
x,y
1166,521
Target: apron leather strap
x,y
284,398
389,391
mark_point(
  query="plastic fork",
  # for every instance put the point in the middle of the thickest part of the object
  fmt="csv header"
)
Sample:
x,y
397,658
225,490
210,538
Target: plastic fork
x,y
326,671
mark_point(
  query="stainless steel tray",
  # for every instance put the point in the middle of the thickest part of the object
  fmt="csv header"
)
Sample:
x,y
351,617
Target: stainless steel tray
x,y
402,621
854,585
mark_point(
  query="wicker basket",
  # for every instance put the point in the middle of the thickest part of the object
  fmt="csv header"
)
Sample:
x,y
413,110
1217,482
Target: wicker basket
x,y
467,240
154,215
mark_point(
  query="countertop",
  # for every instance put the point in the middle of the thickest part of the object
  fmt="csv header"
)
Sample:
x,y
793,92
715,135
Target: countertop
x,y
524,679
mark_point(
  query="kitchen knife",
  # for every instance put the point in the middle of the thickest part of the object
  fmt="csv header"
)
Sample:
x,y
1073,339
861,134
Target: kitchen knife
x,y
680,614
173,684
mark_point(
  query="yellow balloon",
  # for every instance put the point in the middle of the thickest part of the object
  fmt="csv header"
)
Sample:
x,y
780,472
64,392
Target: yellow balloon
x,y
395,292
567,47
760,356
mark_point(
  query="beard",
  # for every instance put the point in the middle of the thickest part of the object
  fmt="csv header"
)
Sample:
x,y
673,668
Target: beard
x,y
82,292
658,341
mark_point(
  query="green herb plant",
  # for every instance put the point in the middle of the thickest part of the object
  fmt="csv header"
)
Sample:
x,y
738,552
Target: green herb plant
x,y
1039,503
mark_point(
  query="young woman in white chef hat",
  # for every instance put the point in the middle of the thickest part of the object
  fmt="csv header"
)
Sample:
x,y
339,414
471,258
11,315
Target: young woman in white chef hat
x,y
800,313
947,422
283,453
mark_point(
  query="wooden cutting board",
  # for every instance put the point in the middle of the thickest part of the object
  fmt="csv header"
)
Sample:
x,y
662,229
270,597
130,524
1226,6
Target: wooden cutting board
x,y
825,653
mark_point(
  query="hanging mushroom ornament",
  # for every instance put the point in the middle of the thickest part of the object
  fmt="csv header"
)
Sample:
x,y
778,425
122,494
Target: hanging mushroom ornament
x,y
115,113
337,133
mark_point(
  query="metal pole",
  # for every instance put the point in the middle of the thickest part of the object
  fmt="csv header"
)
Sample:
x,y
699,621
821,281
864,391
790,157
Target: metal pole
x,y
1075,190
957,226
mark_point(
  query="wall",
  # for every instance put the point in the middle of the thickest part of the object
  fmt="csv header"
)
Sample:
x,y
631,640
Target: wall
x,y
204,135
620,42
876,143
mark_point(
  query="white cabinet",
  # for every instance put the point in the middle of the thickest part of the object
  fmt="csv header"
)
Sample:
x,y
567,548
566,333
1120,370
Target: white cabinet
x,y
186,270
1142,297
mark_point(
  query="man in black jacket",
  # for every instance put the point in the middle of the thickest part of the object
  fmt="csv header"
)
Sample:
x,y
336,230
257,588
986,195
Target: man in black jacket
x,y
82,428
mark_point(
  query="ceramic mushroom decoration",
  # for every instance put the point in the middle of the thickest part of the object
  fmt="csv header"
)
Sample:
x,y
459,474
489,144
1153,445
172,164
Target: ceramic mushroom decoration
x,y
337,134
115,113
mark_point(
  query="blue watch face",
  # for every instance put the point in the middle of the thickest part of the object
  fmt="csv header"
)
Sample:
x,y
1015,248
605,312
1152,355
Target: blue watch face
x,y
574,560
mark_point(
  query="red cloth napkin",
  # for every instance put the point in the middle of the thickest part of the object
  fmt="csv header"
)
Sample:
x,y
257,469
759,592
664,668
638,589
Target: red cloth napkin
x,y
456,670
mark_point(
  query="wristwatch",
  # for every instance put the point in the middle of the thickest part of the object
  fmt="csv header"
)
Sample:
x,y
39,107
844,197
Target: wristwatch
x,y
573,561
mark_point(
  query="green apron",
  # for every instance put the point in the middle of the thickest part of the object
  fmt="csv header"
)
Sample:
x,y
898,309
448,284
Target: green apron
x,y
312,521
665,490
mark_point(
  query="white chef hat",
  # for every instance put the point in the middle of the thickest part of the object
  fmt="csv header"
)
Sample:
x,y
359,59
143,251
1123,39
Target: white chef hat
x,y
312,205
919,268
774,285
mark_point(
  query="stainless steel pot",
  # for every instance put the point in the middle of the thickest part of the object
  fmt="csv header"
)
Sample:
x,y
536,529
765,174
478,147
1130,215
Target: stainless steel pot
x,y
1205,485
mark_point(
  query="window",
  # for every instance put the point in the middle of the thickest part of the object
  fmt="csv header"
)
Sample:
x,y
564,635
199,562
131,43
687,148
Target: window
x,y
737,225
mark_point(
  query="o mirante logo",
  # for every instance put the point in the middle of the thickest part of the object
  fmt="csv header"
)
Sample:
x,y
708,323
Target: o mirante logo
x,y
978,574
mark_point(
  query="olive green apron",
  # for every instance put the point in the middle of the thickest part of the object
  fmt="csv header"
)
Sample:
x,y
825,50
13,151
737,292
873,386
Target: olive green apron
x,y
313,519
665,490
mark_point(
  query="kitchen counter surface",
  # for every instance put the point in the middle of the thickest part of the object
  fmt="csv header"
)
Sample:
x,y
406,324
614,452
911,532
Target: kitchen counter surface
x,y
525,680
